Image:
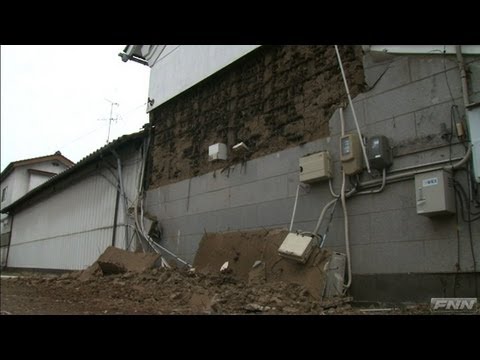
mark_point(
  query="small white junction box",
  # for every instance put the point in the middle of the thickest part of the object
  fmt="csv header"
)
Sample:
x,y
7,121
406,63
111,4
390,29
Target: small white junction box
x,y
315,167
217,152
296,247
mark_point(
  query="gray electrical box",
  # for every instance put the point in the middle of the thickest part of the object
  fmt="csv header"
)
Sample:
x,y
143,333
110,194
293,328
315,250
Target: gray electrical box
x,y
434,193
335,269
379,152
315,167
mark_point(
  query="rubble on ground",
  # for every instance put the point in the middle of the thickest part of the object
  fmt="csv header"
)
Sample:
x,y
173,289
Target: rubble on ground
x,y
256,281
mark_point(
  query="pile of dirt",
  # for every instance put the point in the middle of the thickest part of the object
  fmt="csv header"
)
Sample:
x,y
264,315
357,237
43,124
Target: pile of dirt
x,y
160,291
173,291
91,272
118,261
253,256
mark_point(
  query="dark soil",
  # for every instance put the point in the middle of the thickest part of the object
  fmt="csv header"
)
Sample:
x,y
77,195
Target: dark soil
x,y
242,249
167,291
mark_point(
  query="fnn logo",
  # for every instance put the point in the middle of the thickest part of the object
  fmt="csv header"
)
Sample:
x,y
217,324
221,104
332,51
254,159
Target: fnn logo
x,y
453,304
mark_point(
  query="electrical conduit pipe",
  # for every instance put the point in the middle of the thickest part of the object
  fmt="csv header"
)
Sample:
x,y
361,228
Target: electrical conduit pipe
x,y
353,110
345,216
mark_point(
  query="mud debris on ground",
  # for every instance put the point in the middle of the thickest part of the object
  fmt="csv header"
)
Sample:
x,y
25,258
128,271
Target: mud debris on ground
x,y
257,281
168,291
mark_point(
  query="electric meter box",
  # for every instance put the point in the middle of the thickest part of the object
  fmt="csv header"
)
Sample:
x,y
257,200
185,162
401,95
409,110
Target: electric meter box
x,y
351,154
434,193
217,152
315,167
296,247
379,152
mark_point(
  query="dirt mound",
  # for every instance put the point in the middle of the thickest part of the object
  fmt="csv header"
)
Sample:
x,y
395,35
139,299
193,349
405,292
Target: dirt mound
x,y
91,272
160,291
115,261
171,291
257,280
244,249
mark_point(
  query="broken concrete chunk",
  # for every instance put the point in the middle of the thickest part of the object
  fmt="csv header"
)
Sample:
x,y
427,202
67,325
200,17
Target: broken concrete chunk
x,y
91,272
117,261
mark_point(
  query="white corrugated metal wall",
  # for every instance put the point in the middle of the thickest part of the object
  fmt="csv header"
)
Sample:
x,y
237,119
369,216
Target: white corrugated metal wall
x,y
3,255
71,228
131,164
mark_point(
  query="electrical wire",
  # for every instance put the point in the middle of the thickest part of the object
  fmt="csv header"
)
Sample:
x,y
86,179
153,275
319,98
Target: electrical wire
x,y
123,116
472,250
294,208
380,189
364,151
445,73
139,207
469,224
324,237
457,231
81,137
465,200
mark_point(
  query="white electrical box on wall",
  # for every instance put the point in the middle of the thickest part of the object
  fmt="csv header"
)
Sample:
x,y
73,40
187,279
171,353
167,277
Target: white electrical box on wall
x,y
434,193
315,167
217,152
296,247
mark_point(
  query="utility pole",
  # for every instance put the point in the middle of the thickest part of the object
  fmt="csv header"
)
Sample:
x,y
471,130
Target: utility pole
x,y
110,119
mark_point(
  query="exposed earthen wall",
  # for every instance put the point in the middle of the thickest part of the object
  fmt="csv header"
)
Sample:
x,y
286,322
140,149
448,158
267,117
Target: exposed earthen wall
x,y
274,98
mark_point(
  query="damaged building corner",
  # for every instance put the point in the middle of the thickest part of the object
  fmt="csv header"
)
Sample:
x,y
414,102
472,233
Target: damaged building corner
x,y
303,179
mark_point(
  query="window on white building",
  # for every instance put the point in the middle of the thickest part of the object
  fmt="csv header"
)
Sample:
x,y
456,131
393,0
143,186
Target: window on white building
x,y
4,193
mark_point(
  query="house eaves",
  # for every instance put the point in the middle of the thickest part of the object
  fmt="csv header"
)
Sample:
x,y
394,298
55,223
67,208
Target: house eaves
x,y
54,157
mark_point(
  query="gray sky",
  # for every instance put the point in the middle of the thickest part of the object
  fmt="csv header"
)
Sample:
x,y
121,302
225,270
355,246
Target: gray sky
x,y
52,98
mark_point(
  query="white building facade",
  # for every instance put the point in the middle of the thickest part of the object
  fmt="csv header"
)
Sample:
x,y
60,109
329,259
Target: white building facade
x,y
18,178
67,222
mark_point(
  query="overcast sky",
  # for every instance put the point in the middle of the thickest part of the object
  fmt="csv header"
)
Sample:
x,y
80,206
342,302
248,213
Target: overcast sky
x,y
53,97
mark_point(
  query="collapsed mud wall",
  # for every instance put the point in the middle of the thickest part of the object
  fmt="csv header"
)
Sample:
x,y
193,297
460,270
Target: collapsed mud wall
x,y
274,98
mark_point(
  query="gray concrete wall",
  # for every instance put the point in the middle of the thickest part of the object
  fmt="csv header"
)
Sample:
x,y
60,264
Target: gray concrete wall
x,y
407,103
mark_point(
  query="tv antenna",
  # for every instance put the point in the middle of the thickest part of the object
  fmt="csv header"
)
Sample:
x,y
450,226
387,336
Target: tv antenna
x,y
110,119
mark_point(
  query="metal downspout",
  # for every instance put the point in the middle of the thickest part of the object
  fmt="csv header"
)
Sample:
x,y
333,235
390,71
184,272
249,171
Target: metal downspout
x,y
117,200
122,190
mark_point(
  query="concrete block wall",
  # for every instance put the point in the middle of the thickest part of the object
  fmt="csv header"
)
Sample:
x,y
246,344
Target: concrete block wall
x,y
260,194
409,99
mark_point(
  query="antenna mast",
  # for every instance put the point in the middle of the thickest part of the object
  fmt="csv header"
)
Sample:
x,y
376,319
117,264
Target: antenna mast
x,y
110,119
